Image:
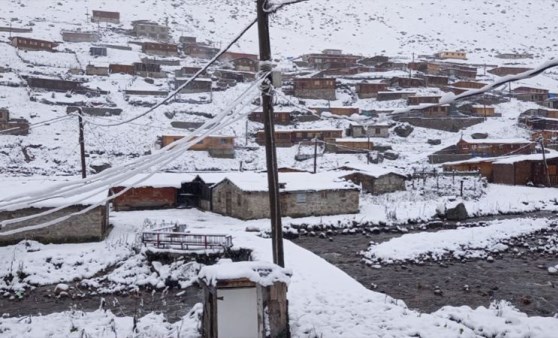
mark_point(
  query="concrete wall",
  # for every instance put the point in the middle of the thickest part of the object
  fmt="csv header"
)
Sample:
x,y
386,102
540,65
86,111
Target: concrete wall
x,y
91,226
255,205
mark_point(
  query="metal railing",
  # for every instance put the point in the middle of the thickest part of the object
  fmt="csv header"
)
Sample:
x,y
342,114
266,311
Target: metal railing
x,y
185,241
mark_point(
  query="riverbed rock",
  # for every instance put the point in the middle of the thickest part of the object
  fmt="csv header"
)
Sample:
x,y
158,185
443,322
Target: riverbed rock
x,y
457,213
403,130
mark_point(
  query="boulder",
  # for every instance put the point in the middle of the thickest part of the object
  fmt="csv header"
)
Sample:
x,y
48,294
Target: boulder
x,y
434,142
403,130
457,213
479,136
390,155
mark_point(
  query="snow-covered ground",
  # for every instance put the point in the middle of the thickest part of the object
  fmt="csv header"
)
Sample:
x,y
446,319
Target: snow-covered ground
x,y
323,300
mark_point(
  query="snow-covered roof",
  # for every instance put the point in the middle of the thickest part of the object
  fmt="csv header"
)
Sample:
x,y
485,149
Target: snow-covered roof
x,y
371,170
249,181
259,272
12,186
497,141
506,159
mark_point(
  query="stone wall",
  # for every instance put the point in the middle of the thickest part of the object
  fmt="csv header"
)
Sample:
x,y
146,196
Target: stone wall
x,y
90,226
451,124
255,205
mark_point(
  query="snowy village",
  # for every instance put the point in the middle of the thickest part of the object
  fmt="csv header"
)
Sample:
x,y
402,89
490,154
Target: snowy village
x,y
278,168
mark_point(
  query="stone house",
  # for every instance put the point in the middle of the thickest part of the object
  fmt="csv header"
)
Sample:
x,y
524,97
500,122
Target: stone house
x,y
32,44
105,16
315,88
436,111
10,126
92,225
152,70
370,90
377,181
96,70
245,196
160,49
151,30
216,145
79,36
374,130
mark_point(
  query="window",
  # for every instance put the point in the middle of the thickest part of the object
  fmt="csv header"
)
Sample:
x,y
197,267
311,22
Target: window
x,y
323,194
219,197
301,198
223,141
239,200
378,131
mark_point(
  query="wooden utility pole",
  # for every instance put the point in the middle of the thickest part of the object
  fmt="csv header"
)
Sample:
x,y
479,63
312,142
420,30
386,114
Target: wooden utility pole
x,y
315,155
81,145
541,142
270,151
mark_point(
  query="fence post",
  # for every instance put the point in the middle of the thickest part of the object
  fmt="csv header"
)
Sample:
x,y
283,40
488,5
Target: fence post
x,y
461,188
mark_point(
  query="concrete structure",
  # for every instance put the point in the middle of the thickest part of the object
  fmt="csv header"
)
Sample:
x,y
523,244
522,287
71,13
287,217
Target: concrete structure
x,y
32,44
301,195
105,16
160,49
244,299
79,36
151,30
319,88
